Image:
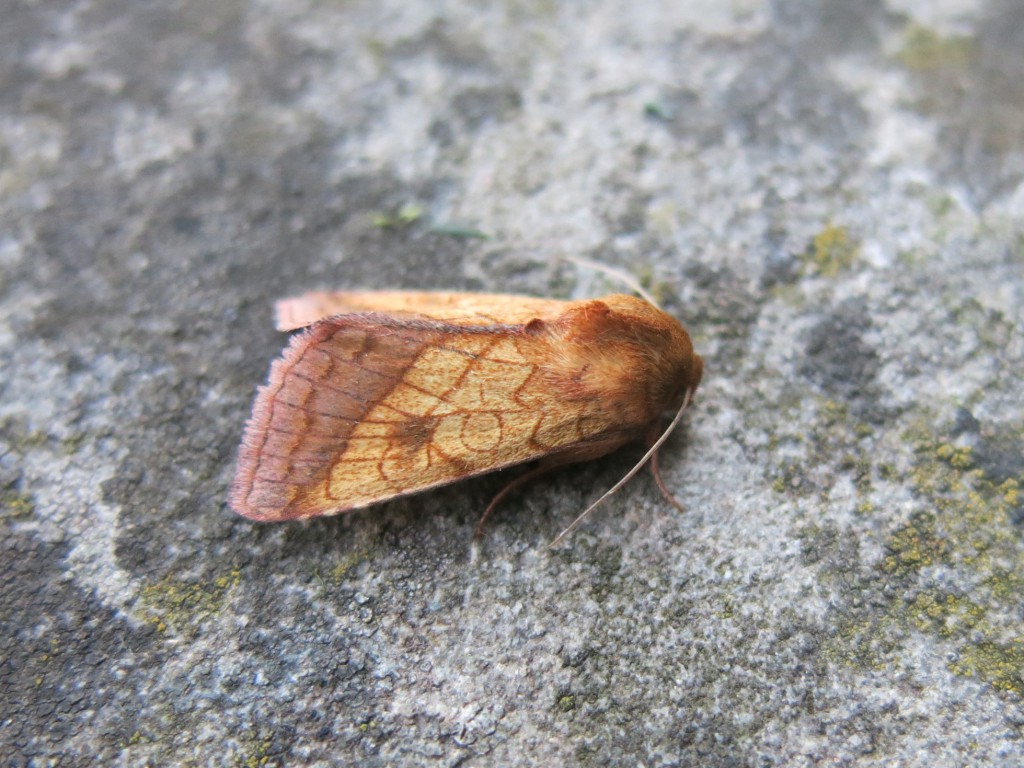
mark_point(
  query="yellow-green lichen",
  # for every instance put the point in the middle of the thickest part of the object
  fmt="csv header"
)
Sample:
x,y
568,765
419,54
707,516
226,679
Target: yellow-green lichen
x,y
183,604
660,290
137,742
914,546
999,664
257,756
993,329
832,413
1011,492
962,526
73,443
726,610
50,664
863,641
34,439
926,51
863,430
567,703
665,217
340,572
343,568
941,204
608,564
791,479
837,440
944,614
830,252
16,506
958,457
53,652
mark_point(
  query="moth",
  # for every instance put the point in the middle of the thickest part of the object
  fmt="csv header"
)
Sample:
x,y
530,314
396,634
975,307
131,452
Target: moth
x,y
386,394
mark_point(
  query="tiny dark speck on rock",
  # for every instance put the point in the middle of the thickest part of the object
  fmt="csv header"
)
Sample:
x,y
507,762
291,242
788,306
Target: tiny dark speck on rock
x,y
1001,458
838,358
965,423
187,225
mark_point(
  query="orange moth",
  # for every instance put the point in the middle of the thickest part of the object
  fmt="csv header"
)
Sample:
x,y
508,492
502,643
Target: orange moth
x,y
385,394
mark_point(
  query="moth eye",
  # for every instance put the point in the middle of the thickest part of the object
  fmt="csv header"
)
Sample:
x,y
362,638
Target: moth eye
x,y
679,392
535,327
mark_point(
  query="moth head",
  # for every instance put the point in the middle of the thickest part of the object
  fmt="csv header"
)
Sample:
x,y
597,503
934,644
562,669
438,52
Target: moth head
x,y
626,353
669,365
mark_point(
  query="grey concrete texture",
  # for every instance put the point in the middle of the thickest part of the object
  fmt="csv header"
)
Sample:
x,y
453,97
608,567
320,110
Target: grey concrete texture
x,y
828,194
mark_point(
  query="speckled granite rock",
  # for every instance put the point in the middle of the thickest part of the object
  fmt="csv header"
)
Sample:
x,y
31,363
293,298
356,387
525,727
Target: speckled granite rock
x,y
828,194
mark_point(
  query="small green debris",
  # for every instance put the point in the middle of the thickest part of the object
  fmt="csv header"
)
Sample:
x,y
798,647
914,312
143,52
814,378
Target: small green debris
x,y
658,111
405,216
459,231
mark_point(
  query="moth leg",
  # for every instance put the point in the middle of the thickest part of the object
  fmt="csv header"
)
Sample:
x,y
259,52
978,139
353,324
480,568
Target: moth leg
x,y
549,463
652,436
513,485
669,497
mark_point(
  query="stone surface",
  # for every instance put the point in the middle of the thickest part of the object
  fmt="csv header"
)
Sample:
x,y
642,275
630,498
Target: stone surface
x,y
829,194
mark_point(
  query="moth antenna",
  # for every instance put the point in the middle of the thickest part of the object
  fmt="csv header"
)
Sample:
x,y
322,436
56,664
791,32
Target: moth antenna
x,y
629,475
624,277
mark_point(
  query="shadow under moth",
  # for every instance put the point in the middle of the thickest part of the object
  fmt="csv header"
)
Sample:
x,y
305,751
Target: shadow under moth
x,y
385,394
